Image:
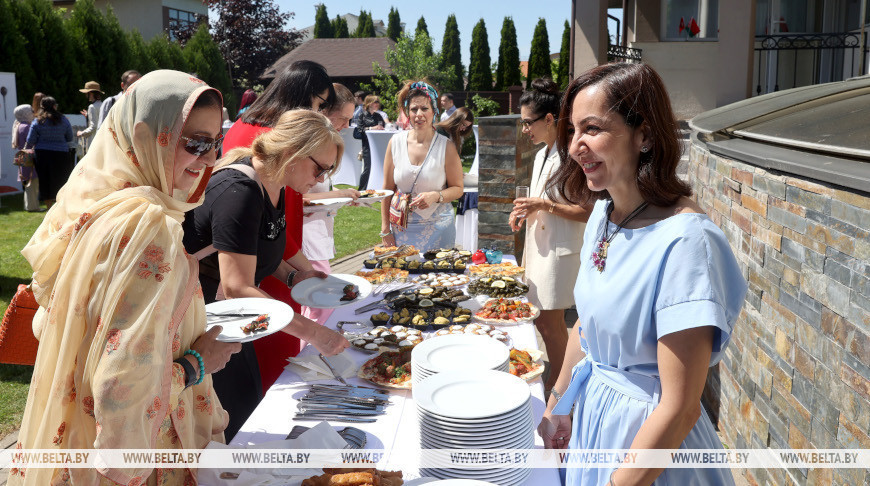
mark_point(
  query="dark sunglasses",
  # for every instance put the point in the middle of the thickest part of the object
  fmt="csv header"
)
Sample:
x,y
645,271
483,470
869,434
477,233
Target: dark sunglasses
x,y
322,169
200,144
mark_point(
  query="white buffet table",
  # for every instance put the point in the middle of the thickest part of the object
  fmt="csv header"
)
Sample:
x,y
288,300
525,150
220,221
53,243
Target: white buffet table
x,y
378,142
396,431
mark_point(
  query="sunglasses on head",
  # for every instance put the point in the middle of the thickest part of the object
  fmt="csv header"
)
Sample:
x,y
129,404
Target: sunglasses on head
x,y
200,144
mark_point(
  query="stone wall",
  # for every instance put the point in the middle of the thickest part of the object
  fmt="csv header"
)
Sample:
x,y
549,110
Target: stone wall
x,y
797,374
506,159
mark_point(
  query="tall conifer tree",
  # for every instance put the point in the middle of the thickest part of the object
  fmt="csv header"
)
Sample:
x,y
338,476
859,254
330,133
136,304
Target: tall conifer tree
x,y
422,27
394,24
507,73
322,26
539,57
564,52
479,64
451,55
339,28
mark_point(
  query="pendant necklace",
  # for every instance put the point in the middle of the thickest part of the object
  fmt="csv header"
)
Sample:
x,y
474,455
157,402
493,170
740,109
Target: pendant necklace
x,y
599,256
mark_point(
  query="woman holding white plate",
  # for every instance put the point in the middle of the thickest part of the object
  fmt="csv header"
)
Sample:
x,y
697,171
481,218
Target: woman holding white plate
x,y
239,232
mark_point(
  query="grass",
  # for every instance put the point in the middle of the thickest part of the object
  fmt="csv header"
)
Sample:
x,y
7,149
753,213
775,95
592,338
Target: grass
x,y
18,225
356,227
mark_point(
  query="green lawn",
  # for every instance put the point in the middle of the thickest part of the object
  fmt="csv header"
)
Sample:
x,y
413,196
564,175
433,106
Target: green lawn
x,y
15,230
356,228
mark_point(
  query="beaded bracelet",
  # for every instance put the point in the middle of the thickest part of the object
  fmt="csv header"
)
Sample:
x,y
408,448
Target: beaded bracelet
x,y
201,364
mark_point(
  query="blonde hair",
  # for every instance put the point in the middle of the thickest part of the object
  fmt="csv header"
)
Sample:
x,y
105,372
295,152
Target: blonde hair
x,y
369,100
296,135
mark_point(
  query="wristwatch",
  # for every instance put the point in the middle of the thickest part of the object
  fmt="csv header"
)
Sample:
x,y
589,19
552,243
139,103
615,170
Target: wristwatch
x,y
552,207
290,277
440,197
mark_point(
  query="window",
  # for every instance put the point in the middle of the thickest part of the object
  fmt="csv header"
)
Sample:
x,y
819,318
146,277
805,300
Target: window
x,y
690,20
175,20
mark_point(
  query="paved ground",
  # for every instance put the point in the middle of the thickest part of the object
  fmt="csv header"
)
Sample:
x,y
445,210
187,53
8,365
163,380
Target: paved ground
x,y
351,264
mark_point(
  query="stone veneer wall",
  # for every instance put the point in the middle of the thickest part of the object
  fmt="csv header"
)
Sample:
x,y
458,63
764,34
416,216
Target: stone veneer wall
x,y
506,159
797,373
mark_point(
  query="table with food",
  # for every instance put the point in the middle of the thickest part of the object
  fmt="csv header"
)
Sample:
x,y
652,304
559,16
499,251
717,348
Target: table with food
x,y
443,355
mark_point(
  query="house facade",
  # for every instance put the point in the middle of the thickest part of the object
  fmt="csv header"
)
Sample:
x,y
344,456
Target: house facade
x,y
150,17
714,52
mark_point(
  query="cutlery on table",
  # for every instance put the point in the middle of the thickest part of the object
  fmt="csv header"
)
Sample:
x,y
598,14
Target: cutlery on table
x,y
383,302
337,418
355,390
332,370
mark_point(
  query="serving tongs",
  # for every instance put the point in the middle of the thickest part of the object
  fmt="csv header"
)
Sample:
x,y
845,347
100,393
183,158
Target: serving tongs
x,y
388,297
392,253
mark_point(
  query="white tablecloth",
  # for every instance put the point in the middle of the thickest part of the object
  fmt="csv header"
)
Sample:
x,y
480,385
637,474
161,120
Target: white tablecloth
x,y
396,431
351,167
378,142
466,226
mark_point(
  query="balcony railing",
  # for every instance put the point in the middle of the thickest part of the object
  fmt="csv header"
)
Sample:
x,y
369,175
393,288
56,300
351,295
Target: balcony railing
x,y
623,54
784,61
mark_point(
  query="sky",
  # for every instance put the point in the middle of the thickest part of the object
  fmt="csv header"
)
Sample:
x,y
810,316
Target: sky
x,y
525,15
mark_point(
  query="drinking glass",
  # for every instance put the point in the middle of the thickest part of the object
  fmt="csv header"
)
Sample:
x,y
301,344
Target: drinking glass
x,y
522,191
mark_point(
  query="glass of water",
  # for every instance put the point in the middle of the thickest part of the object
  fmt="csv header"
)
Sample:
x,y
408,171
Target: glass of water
x,y
522,191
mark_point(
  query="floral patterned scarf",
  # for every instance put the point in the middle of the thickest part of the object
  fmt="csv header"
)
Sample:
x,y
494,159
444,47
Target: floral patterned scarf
x,y
119,297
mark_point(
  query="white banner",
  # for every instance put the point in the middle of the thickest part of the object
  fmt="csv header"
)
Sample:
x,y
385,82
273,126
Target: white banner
x,y
466,459
8,99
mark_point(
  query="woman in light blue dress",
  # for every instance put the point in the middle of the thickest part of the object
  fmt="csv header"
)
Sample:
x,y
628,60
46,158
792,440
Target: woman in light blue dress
x,y
424,164
658,291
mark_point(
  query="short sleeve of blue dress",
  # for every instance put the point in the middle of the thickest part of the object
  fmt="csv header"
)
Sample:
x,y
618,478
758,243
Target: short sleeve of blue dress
x,y
673,275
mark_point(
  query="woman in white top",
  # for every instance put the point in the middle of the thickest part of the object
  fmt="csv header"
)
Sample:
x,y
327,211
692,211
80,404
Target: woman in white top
x,y
95,98
318,243
424,164
554,228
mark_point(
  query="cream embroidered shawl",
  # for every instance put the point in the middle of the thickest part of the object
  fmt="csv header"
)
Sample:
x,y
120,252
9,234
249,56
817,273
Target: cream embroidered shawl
x,y
120,298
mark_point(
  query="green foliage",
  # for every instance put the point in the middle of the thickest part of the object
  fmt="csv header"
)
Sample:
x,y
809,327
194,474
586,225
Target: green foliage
x,y
408,60
539,56
451,56
479,69
140,59
339,28
423,29
366,27
482,106
322,26
394,25
13,50
90,28
507,73
564,52
204,58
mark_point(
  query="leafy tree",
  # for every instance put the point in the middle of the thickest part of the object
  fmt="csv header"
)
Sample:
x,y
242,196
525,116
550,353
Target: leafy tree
x,y
483,106
564,52
339,28
423,29
158,51
88,27
118,41
408,60
203,57
366,27
139,58
322,26
394,24
507,73
479,70
451,56
177,59
251,35
52,49
14,57
539,57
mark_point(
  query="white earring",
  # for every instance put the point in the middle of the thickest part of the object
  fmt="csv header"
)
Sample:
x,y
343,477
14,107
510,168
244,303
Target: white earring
x,y
644,149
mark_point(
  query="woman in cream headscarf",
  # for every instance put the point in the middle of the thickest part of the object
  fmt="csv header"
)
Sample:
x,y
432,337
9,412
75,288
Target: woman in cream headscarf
x,y
120,299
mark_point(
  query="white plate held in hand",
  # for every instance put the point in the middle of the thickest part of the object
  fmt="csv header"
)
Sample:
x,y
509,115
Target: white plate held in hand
x,y
280,314
326,293
330,204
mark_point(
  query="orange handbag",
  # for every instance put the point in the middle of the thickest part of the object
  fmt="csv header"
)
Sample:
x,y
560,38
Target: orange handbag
x,y
17,343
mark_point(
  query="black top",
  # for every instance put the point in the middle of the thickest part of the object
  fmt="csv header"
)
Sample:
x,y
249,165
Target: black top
x,y
236,218
364,121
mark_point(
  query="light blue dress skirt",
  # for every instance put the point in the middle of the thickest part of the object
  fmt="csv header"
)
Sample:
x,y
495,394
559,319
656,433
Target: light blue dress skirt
x,y
436,231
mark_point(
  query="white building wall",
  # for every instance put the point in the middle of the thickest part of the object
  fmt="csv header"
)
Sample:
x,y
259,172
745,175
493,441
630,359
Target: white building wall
x,y
689,70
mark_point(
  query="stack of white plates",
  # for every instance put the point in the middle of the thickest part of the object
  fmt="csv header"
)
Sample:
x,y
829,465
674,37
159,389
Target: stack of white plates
x,y
458,352
481,409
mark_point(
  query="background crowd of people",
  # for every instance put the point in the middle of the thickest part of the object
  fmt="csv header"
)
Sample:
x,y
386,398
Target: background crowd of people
x,y
153,224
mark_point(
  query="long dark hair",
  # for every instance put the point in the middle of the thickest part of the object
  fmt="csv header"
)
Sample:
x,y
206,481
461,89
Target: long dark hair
x,y
48,111
453,126
292,88
638,94
543,98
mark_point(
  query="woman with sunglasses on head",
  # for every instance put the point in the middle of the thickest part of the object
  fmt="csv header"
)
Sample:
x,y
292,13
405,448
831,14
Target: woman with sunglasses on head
x,y
554,227
658,291
302,84
424,164
318,243
240,233
124,361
